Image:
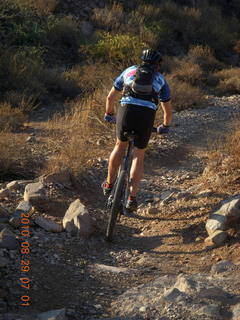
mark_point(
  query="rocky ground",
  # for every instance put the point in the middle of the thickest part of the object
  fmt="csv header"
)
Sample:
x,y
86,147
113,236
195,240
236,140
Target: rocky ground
x,y
159,265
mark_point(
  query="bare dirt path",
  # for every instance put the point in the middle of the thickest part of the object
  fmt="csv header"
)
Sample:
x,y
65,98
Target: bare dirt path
x,y
165,237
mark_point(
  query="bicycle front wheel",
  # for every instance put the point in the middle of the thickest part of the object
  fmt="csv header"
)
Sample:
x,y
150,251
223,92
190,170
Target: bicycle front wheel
x,y
116,205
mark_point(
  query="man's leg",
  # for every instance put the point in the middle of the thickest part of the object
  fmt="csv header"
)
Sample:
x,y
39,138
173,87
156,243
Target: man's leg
x,y
137,170
115,160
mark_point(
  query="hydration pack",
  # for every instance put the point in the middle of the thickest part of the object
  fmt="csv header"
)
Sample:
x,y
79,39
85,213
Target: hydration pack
x,y
142,85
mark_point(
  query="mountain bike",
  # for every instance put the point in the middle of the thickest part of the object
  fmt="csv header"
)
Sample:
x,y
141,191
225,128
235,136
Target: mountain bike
x,y
120,192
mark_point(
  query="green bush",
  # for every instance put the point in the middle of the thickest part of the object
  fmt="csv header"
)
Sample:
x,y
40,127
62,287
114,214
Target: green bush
x,y
115,49
21,25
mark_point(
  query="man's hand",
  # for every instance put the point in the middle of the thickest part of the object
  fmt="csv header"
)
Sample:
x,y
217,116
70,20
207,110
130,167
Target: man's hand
x,y
163,129
109,118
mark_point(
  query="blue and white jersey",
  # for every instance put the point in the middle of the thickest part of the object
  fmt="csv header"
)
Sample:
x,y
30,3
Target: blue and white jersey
x,y
160,86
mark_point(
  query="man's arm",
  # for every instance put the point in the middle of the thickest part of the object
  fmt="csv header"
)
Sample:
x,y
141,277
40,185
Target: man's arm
x,y
112,97
167,113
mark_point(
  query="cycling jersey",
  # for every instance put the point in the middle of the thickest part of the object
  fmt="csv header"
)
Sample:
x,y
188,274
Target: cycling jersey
x,y
160,86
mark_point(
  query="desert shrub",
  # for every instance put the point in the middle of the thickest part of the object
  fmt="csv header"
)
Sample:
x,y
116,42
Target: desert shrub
x,y
58,85
11,118
223,161
115,49
189,72
227,81
90,77
204,57
21,25
109,18
20,100
42,6
184,95
215,31
63,40
231,147
20,70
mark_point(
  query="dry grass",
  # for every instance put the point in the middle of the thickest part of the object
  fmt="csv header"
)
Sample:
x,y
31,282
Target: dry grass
x,y
228,81
223,163
110,17
204,57
81,129
11,118
184,95
16,158
90,76
189,72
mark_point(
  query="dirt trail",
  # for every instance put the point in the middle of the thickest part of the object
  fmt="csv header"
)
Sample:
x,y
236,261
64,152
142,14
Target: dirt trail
x,y
65,271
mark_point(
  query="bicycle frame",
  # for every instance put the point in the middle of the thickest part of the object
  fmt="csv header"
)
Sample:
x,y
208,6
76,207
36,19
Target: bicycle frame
x,y
117,199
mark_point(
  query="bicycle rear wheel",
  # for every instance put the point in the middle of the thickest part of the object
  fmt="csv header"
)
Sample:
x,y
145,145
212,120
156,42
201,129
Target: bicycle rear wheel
x,y
116,205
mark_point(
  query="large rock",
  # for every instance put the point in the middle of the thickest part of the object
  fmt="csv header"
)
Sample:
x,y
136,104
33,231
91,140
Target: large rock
x,y
23,207
59,314
188,286
78,219
224,217
216,238
231,208
215,222
35,194
48,225
8,240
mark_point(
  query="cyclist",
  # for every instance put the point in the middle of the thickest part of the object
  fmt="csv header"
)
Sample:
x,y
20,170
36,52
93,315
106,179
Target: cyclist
x,y
136,113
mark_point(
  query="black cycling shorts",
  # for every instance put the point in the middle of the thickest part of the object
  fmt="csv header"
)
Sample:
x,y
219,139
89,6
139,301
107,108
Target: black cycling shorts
x,y
135,118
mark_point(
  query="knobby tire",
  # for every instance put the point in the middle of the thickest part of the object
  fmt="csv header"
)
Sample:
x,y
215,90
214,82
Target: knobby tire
x,y
116,205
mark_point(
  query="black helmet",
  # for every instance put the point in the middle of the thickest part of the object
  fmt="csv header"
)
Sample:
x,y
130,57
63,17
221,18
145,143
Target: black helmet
x,y
151,56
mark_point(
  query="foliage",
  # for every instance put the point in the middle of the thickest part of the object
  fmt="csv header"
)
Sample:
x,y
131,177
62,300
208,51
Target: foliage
x,y
184,95
115,49
228,81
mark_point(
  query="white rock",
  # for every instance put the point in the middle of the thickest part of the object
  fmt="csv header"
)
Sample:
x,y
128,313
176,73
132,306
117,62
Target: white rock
x,y
34,193
216,238
216,222
77,218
